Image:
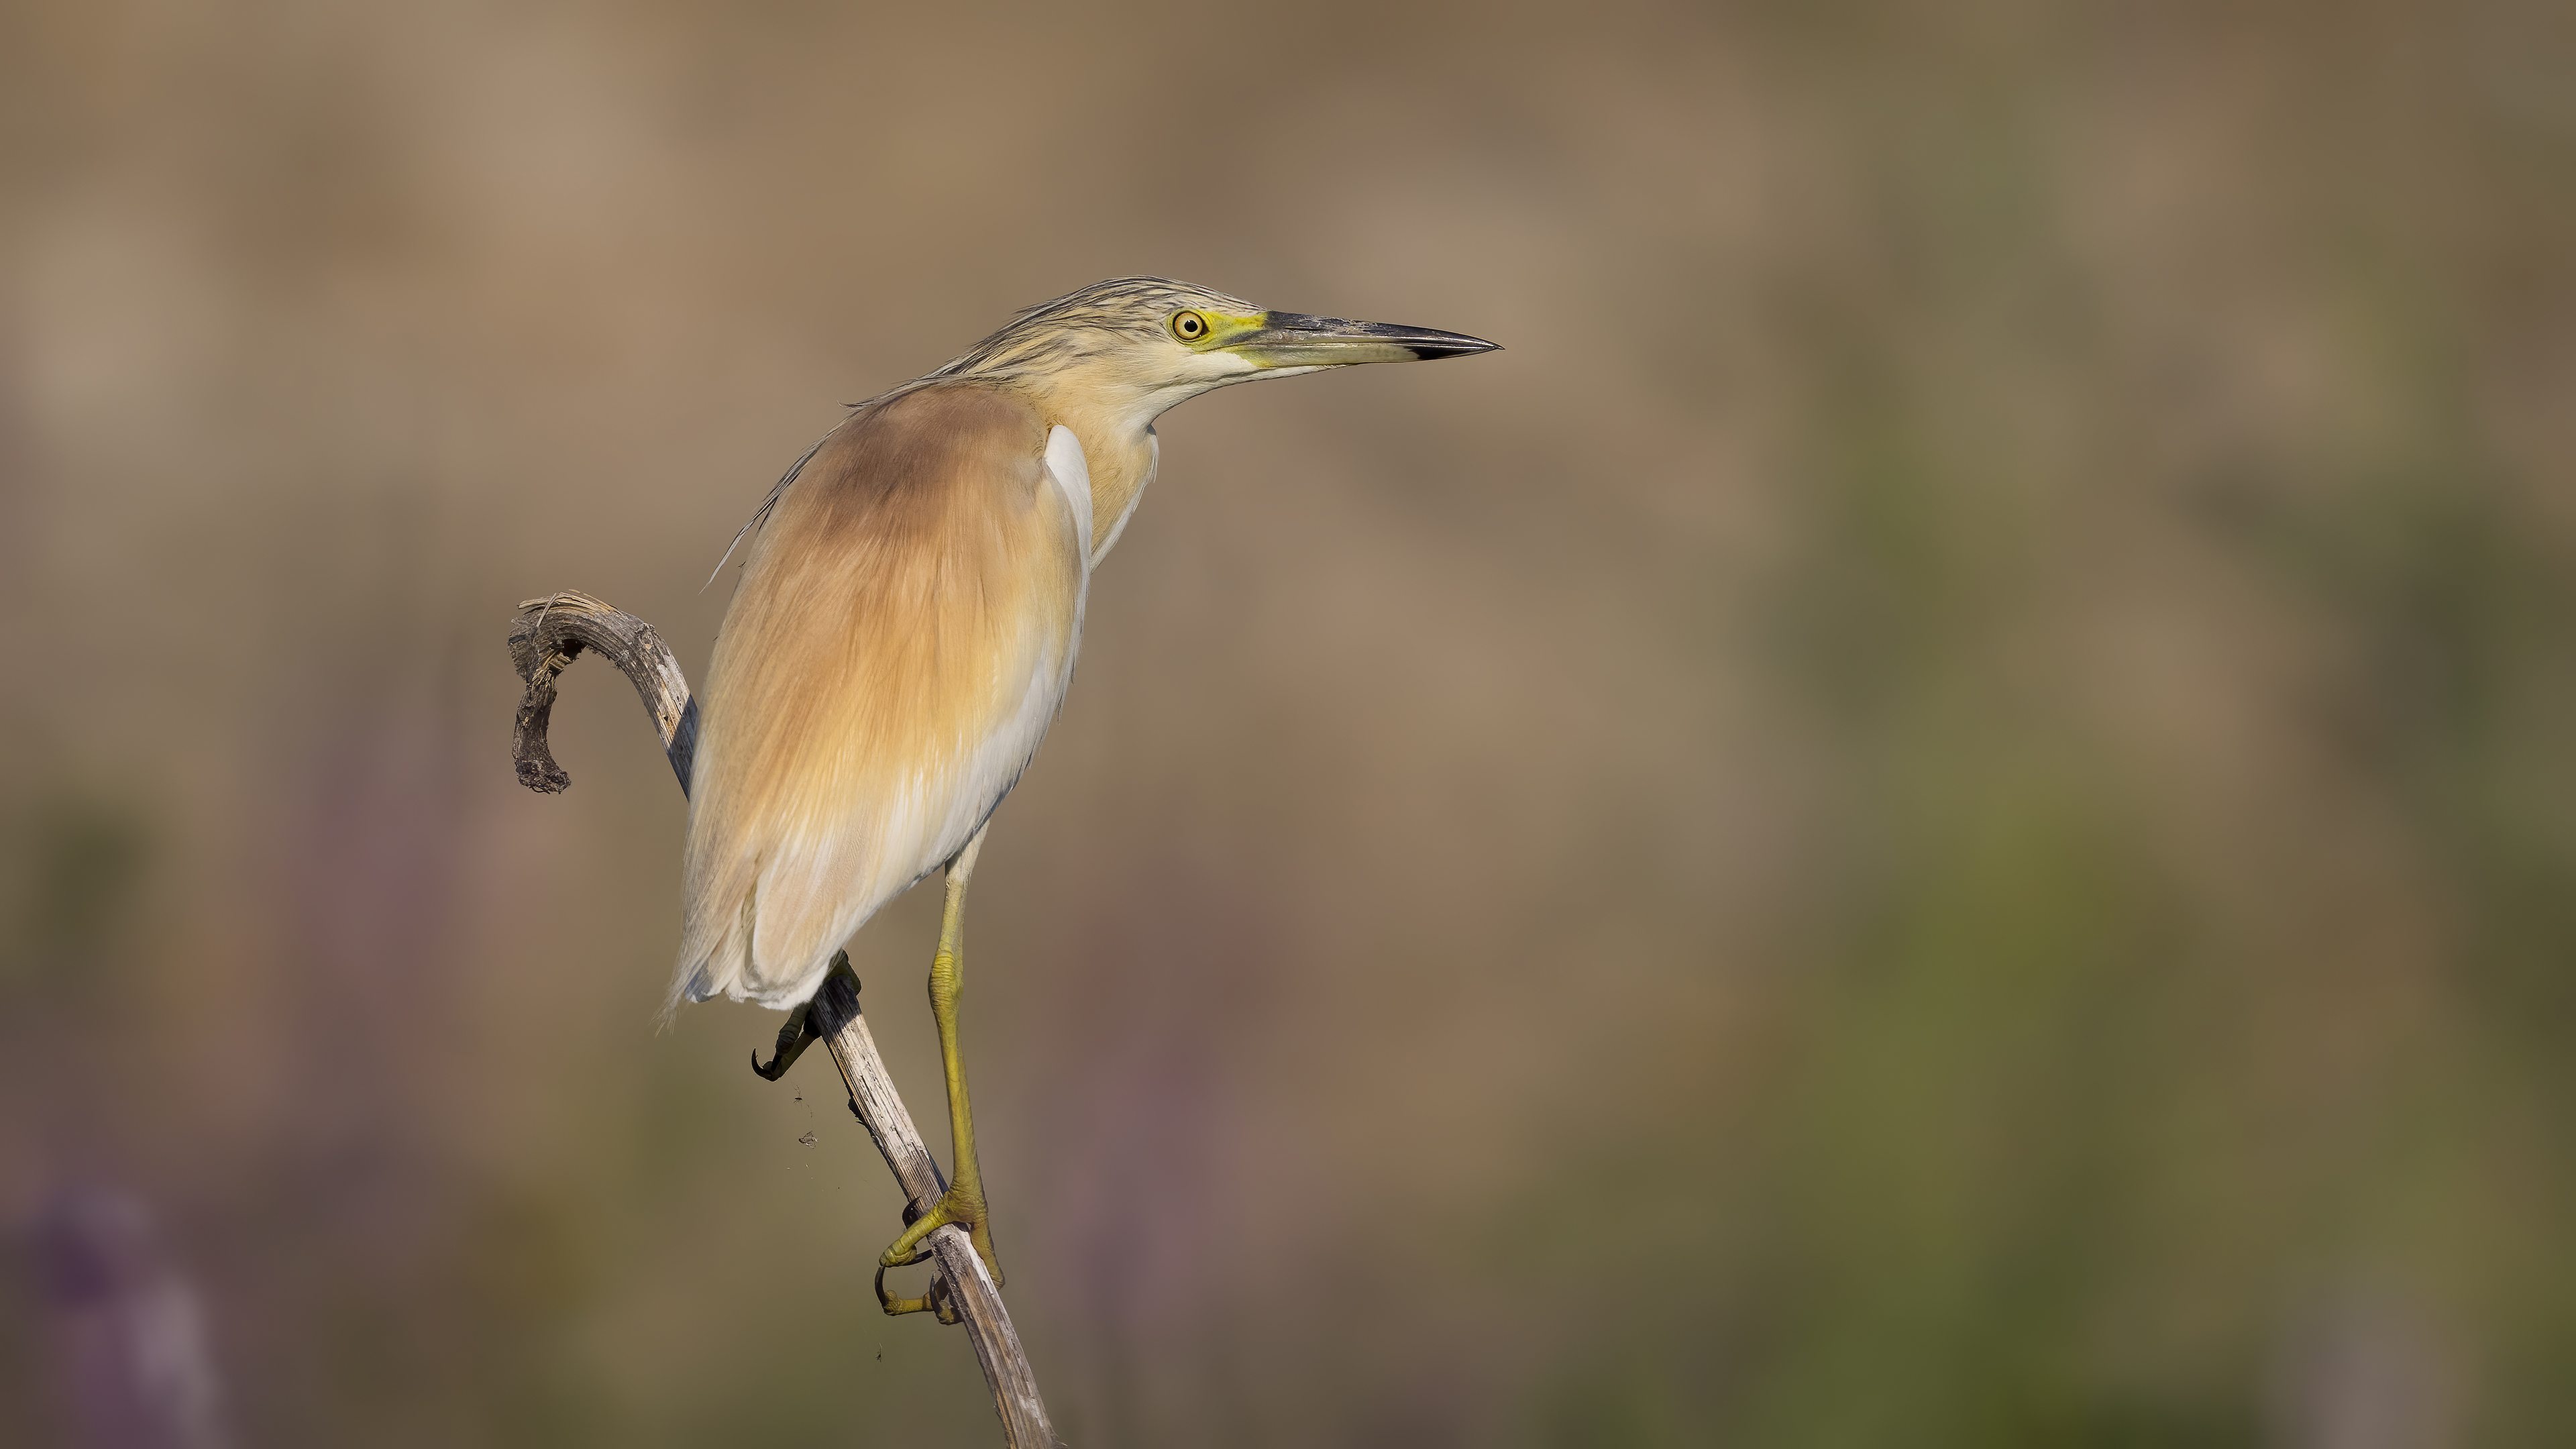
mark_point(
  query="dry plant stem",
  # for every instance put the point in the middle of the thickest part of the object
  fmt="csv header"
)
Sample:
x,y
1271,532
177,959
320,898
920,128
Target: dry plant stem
x,y
547,636
970,1285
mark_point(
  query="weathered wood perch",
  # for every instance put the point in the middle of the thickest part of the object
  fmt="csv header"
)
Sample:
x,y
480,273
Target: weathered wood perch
x,y
547,636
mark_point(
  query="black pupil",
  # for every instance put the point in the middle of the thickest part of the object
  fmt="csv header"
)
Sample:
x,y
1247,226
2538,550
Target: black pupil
x,y
1189,327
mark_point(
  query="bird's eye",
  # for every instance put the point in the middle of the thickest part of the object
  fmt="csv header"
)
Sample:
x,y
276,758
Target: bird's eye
x,y
1189,326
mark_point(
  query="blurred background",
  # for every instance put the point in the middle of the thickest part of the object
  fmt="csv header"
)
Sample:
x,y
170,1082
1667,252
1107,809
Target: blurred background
x,y
1942,811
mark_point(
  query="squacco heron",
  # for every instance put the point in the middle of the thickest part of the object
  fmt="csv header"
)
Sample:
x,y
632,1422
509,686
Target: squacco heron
x,y
906,625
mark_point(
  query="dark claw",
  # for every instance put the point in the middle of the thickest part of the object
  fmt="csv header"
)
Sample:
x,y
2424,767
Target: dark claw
x,y
801,1031
793,1038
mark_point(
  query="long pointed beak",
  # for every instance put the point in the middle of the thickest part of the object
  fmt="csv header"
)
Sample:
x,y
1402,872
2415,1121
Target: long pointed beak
x,y
1293,339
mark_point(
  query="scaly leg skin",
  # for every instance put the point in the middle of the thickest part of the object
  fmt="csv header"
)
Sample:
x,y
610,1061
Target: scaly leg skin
x,y
963,1203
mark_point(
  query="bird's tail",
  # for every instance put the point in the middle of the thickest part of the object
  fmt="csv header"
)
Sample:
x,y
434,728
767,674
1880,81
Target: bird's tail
x,y
715,950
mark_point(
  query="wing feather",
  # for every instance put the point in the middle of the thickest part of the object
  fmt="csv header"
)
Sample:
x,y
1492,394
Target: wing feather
x,y
903,634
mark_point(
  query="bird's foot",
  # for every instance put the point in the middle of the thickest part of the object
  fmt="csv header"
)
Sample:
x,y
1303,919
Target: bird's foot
x,y
939,1299
962,1205
793,1039
800,1031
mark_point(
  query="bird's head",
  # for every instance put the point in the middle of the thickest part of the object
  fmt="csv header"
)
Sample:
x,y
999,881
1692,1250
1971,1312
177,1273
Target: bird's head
x,y
1142,344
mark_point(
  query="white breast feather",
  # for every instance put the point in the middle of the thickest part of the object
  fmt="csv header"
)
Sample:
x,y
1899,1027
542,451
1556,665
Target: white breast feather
x,y
1072,474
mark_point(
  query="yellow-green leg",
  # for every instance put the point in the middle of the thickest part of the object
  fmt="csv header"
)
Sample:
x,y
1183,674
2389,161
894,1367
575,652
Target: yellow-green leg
x,y
963,1203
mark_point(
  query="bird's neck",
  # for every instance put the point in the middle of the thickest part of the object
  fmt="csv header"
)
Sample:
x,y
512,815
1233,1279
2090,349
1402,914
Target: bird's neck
x,y
1117,436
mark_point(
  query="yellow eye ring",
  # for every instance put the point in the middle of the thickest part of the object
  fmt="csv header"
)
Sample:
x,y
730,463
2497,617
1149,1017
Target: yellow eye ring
x,y
1189,326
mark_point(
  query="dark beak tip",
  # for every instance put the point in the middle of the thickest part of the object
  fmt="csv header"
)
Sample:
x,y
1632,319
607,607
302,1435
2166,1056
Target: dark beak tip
x,y
1453,347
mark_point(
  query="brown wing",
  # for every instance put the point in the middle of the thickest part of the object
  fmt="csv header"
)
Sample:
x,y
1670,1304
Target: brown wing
x,y
902,635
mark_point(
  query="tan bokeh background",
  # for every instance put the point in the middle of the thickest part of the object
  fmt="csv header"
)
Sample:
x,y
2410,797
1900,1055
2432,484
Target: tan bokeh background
x,y
1941,811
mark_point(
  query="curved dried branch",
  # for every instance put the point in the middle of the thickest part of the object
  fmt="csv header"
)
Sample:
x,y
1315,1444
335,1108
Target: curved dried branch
x,y
547,636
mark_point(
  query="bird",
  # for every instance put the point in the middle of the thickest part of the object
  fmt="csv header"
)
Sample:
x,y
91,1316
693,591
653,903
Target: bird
x,y
904,630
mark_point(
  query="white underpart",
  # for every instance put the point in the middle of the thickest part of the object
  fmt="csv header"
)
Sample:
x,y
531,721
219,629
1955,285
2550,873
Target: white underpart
x,y
1072,474
927,822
